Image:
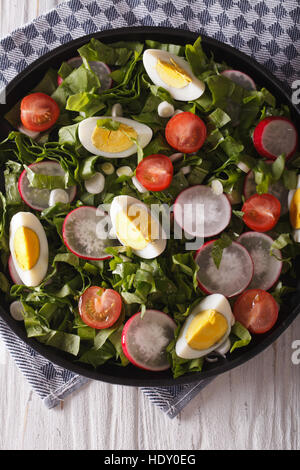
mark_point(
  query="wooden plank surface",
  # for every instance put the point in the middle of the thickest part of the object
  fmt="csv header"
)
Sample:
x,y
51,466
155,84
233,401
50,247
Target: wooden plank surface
x,y
256,406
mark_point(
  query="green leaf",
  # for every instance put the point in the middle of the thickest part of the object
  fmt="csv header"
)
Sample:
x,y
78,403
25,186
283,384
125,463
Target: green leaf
x,y
243,335
4,284
109,124
196,56
232,147
278,167
290,178
69,134
87,167
218,246
172,48
65,70
68,258
81,80
11,177
182,366
97,357
102,336
219,118
84,102
281,242
40,181
97,51
281,291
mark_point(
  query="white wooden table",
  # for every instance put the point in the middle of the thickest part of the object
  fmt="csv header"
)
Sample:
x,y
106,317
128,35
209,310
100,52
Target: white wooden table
x,y
256,406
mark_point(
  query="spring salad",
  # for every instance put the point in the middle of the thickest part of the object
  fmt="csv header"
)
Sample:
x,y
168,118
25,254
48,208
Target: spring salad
x,y
151,212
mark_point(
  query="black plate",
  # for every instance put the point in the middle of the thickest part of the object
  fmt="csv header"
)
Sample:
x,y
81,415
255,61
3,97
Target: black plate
x,y
130,375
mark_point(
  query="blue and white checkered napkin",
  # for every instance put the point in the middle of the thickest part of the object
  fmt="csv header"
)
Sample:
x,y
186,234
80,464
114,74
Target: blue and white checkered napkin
x,y
267,30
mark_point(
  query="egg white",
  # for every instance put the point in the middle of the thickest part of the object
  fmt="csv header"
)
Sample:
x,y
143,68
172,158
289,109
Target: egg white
x,y
154,248
87,126
296,231
190,92
216,302
34,276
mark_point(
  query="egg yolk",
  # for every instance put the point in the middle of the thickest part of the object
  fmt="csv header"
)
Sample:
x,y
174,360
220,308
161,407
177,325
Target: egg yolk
x,y
295,210
172,74
134,227
206,329
27,248
113,141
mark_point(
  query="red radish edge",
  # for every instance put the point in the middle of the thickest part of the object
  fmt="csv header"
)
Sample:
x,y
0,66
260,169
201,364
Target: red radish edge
x,y
258,133
225,73
213,234
279,273
203,288
67,245
124,347
23,174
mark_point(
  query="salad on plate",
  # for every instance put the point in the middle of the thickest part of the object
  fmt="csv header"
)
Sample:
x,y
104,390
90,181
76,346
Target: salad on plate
x,y
151,212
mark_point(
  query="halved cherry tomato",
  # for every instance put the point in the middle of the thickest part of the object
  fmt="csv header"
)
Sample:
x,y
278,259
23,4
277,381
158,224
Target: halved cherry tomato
x,y
100,308
257,310
155,172
261,212
39,112
186,132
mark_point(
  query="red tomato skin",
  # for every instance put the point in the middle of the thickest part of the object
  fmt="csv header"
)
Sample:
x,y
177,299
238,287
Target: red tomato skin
x,y
90,294
186,132
144,175
245,301
47,106
258,133
250,211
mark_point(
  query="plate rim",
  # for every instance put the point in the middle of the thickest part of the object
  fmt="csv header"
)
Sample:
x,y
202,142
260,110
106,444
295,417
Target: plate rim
x,y
55,356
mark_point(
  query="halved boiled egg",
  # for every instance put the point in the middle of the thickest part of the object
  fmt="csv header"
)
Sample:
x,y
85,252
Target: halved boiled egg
x,y
119,143
29,248
172,73
136,227
206,329
294,210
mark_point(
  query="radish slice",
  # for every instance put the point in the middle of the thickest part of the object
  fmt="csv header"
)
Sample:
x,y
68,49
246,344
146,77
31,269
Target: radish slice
x,y
16,310
117,110
58,195
138,185
275,136
176,156
144,339
85,233
38,199
124,171
277,189
267,268
217,187
107,168
99,68
240,78
165,109
95,184
200,212
234,274
13,272
185,170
